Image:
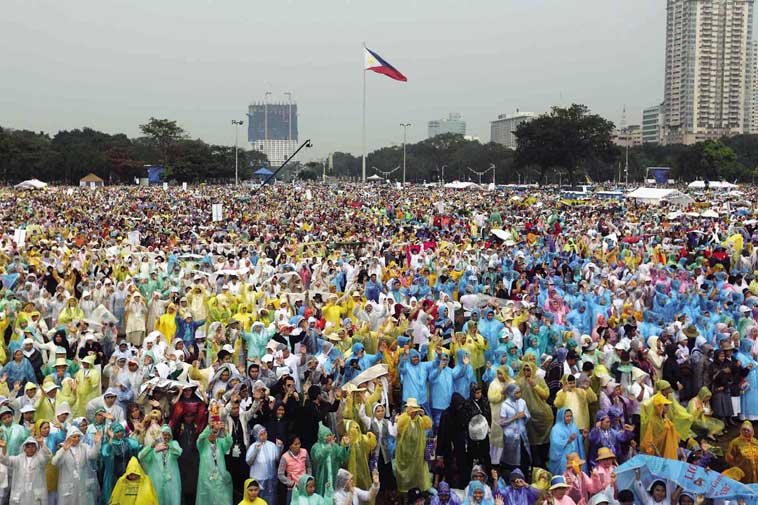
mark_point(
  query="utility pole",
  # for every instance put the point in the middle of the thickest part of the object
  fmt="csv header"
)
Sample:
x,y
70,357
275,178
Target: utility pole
x,y
289,121
405,132
443,174
236,124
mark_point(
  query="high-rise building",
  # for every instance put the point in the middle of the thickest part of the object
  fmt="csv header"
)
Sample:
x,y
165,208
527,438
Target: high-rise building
x,y
451,124
707,81
272,121
501,129
754,87
272,129
651,124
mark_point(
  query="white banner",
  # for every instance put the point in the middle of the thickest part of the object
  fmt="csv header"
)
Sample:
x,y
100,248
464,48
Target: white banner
x,y
217,212
19,237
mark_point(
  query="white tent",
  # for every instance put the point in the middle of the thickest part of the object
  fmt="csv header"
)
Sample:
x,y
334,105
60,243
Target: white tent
x,y
31,184
375,177
711,185
462,185
658,195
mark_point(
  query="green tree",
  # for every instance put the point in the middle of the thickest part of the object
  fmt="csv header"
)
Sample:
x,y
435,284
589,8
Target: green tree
x,y
564,138
25,154
709,160
193,162
307,174
345,165
166,135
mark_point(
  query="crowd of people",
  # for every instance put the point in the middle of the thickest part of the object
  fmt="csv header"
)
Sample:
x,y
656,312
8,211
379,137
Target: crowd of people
x,y
352,344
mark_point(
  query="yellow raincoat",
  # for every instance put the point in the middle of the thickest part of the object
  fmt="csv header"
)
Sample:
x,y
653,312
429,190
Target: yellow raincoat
x,y
743,453
659,436
701,413
166,324
409,456
139,491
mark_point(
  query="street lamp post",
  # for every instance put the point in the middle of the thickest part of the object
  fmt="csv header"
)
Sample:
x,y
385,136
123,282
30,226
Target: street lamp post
x,y
236,124
405,137
265,114
442,175
289,121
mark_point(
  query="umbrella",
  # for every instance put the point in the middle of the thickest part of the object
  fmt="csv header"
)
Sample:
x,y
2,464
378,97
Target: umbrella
x,y
502,234
693,479
370,374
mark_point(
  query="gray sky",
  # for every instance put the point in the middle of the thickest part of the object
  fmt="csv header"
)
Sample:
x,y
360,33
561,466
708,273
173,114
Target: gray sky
x,y
112,64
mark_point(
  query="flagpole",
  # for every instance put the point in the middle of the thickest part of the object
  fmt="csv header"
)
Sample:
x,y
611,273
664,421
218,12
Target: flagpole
x,y
363,162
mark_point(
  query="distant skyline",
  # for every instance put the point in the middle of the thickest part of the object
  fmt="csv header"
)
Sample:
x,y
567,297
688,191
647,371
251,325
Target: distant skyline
x,y
112,65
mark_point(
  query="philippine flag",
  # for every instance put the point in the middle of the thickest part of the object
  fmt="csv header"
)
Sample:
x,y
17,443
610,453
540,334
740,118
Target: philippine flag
x,y
377,64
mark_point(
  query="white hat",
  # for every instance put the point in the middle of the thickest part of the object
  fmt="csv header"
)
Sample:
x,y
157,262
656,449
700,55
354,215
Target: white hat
x,y
267,358
63,408
49,386
27,408
744,308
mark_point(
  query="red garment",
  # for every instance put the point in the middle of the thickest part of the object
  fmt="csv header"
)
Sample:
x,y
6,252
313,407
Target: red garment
x,y
182,406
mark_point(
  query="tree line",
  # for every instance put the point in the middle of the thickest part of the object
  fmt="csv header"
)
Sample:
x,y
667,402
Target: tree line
x,y
566,144
69,155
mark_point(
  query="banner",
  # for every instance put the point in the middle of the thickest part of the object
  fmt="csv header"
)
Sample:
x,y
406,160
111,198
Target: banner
x,y
217,212
133,238
692,478
19,237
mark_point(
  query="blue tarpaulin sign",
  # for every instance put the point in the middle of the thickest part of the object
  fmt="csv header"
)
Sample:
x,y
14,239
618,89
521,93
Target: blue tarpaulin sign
x,y
692,478
660,174
154,174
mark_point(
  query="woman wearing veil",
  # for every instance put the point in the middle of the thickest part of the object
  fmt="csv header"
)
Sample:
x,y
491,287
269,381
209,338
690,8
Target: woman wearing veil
x,y
565,438
304,493
345,492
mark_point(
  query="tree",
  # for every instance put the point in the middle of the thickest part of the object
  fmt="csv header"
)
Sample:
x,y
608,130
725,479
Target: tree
x,y
193,162
307,174
564,138
345,165
165,134
709,160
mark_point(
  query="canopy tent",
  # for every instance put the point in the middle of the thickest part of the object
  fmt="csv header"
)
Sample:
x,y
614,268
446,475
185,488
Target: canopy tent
x,y
375,177
263,172
462,185
657,195
91,180
711,185
31,184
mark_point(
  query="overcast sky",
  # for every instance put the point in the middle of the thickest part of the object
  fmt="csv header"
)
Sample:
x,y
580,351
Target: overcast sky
x,y
112,64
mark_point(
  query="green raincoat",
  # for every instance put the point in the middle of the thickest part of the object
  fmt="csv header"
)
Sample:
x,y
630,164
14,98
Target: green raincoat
x,y
327,459
115,455
14,435
163,470
300,494
214,483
